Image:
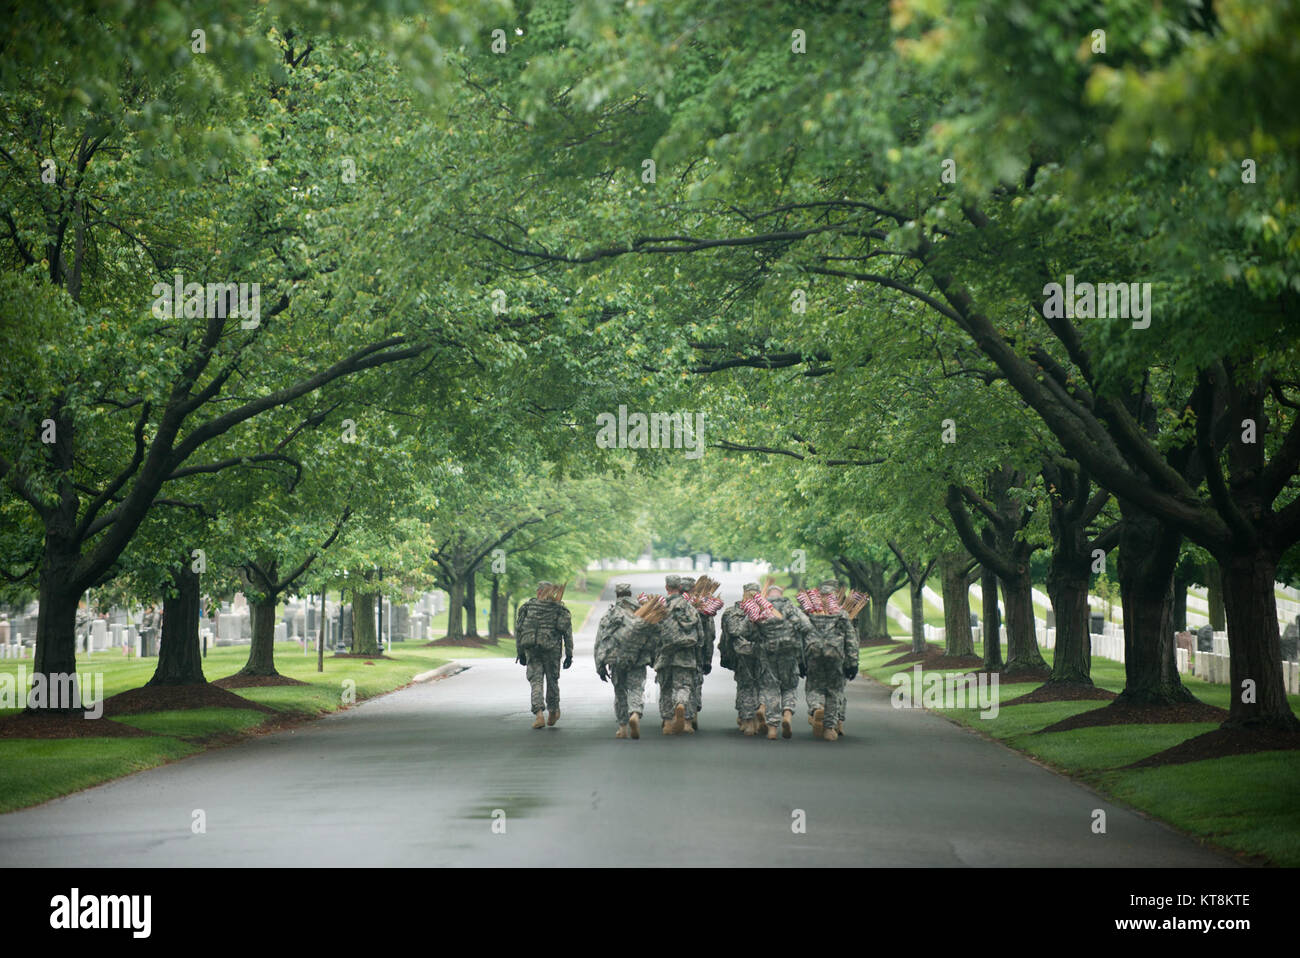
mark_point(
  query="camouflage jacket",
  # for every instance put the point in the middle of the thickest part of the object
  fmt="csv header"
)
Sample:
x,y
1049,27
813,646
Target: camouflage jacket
x,y
544,624
680,636
832,635
738,636
622,639
788,633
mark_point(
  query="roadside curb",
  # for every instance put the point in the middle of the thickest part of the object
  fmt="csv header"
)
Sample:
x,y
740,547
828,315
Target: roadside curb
x,y
441,672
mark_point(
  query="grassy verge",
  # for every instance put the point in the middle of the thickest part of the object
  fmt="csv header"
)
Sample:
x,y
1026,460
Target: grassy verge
x,y
1245,804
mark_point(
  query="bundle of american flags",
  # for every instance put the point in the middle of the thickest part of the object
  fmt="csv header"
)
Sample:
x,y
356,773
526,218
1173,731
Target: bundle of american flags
x,y
855,603
758,609
810,600
702,596
553,593
653,608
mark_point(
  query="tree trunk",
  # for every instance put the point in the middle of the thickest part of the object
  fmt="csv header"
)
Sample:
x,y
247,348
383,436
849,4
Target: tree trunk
x,y
918,615
365,641
1067,585
56,635
1254,644
1148,552
992,620
180,658
1022,643
956,604
471,606
1214,587
261,654
320,643
494,610
455,608
1181,583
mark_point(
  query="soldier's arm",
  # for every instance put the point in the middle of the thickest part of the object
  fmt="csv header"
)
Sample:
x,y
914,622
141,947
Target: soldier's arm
x,y
566,629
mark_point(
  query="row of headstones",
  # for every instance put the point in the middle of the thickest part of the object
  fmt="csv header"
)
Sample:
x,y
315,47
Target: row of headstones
x,y
1217,669
402,622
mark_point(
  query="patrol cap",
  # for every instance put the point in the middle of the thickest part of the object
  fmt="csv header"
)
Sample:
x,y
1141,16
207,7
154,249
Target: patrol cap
x,y
829,587
778,589
750,587
672,582
622,588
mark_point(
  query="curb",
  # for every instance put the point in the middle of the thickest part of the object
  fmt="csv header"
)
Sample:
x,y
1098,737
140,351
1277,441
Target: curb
x,y
442,672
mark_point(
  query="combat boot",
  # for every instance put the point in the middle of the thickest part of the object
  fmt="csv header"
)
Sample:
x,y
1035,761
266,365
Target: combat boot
x,y
830,735
622,732
668,727
553,717
786,717
818,722
679,719
689,727
539,721
760,716
771,731
839,729
634,724
749,727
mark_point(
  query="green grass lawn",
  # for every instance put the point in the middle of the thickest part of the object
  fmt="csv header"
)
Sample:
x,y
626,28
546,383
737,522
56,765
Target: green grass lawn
x,y
1242,803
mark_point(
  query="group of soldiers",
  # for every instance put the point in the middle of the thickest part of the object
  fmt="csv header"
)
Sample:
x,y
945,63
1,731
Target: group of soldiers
x,y
766,639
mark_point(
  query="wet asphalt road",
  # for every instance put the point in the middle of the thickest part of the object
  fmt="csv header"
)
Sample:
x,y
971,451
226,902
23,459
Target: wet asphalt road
x,y
415,777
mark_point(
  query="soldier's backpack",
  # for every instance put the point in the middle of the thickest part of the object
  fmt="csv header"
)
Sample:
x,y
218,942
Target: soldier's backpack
x,y
541,626
825,640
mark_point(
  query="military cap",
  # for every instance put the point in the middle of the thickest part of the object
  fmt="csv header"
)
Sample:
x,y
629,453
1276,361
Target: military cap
x,y
751,587
672,582
829,587
622,588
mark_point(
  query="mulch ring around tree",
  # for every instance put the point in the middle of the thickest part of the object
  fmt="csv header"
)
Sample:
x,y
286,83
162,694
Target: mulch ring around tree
x,y
64,725
933,658
463,643
161,698
875,643
1118,713
255,681
1063,692
1222,743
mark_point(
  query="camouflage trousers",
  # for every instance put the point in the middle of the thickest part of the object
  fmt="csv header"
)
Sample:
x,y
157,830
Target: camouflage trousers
x,y
824,687
747,686
697,691
544,666
778,683
676,687
629,690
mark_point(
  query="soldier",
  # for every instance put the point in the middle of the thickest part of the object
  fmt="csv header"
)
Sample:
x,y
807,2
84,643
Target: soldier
x,y
677,661
780,659
542,626
738,652
623,650
708,635
830,657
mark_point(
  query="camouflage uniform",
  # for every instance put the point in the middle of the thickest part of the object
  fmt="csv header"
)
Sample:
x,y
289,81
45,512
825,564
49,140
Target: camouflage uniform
x,y
780,658
624,647
708,636
677,656
739,653
830,657
542,629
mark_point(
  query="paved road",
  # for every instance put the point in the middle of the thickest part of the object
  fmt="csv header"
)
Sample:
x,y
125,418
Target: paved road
x,y
413,778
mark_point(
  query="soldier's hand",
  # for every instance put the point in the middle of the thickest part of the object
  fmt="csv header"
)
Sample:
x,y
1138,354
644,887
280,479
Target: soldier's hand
x,y
851,672
521,659
568,660
708,667
604,676
803,671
